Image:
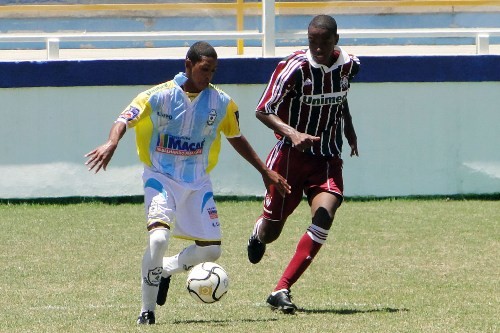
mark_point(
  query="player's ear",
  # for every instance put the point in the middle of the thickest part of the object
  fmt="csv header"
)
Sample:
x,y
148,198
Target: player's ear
x,y
336,39
189,65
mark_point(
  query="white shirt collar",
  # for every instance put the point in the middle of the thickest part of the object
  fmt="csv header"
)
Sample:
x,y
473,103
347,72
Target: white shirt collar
x,y
342,59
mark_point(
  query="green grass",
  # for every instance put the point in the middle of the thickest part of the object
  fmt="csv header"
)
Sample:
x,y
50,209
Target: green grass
x,y
388,266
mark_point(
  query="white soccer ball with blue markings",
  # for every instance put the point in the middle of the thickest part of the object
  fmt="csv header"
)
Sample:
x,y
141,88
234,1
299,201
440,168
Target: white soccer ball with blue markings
x,y
207,282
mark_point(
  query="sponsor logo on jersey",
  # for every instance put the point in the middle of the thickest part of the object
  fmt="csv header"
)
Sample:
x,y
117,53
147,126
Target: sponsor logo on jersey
x,y
212,213
178,145
130,113
157,88
164,115
325,99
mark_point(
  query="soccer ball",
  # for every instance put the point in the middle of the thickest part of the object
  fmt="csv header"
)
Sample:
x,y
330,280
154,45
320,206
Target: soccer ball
x,y
207,282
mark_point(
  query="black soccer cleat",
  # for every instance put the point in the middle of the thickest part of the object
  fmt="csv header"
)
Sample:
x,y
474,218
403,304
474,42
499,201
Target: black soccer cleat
x,y
146,318
255,249
282,301
161,298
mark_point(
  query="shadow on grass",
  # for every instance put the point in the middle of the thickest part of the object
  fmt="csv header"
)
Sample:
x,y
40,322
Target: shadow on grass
x,y
352,311
312,311
221,322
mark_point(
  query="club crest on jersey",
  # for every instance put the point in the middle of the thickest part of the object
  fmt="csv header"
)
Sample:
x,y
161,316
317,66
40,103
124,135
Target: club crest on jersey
x,y
324,99
130,113
268,200
344,83
212,115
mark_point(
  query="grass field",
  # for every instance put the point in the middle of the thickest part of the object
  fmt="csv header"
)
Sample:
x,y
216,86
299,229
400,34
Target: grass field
x,y
388,266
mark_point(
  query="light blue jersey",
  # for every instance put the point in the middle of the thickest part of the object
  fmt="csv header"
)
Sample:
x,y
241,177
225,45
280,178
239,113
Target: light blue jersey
x,y
177,136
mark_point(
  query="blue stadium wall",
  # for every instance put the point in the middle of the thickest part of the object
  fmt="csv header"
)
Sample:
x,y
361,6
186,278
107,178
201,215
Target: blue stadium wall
x,y
426,125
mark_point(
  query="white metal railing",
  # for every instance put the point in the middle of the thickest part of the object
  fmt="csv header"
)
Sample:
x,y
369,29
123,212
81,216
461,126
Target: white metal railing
x,y
268,36
53,40
481,35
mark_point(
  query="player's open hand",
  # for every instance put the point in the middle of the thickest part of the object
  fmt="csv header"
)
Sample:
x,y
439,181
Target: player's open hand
x,y
303,141
354,148
100,157
272,178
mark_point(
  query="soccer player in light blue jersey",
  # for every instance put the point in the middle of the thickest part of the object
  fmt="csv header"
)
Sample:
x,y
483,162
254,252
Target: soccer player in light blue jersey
x,y
178,126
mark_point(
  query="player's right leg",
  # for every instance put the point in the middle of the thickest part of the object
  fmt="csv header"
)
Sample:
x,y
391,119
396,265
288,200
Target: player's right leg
x,y
159,216
265,231
276,208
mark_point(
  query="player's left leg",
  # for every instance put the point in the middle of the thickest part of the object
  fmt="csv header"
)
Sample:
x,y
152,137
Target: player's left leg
x,y
200,224
324,196
192,255
323,207
183,261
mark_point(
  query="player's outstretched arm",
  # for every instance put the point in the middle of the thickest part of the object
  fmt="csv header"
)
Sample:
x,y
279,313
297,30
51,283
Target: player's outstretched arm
x,y
100,156
270,177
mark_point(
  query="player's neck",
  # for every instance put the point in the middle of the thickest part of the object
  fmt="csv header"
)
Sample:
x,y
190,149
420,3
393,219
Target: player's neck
x,y
334,58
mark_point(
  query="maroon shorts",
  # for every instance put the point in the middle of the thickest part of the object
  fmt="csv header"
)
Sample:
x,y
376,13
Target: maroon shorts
x,y
306,174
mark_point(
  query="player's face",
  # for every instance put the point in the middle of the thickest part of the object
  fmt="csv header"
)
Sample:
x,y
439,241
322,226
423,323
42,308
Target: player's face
x,y
200,74
321,44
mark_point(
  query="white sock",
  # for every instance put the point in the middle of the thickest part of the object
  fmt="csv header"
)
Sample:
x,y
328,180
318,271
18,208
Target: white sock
x,y
278,291
189,257
317,234
152,267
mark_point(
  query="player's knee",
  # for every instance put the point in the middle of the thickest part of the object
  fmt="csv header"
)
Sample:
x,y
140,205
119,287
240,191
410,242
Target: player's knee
x,y
269,231
322,218
158,212
158,239
210,253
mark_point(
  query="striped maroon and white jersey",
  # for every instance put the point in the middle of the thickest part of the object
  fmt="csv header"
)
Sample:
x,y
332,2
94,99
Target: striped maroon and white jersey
x,y
311,97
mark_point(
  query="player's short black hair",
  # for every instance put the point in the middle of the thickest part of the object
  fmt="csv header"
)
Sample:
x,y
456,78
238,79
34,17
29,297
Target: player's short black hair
x,y
324,22
199,50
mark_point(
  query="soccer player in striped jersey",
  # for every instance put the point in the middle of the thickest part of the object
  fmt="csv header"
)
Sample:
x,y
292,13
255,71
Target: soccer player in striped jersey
x,y
305,104
178,127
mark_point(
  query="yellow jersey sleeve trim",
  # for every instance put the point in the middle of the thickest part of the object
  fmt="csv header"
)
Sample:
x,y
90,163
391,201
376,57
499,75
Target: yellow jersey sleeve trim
x,y
143,126
230,127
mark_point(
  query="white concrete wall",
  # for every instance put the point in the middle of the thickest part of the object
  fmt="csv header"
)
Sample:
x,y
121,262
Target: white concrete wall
x,y
414,139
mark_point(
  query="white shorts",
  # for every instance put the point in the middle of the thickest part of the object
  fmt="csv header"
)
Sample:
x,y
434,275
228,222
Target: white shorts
x,y
188,209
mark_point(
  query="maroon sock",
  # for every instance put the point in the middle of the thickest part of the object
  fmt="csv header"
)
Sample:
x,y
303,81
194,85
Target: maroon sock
x,y
304,254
